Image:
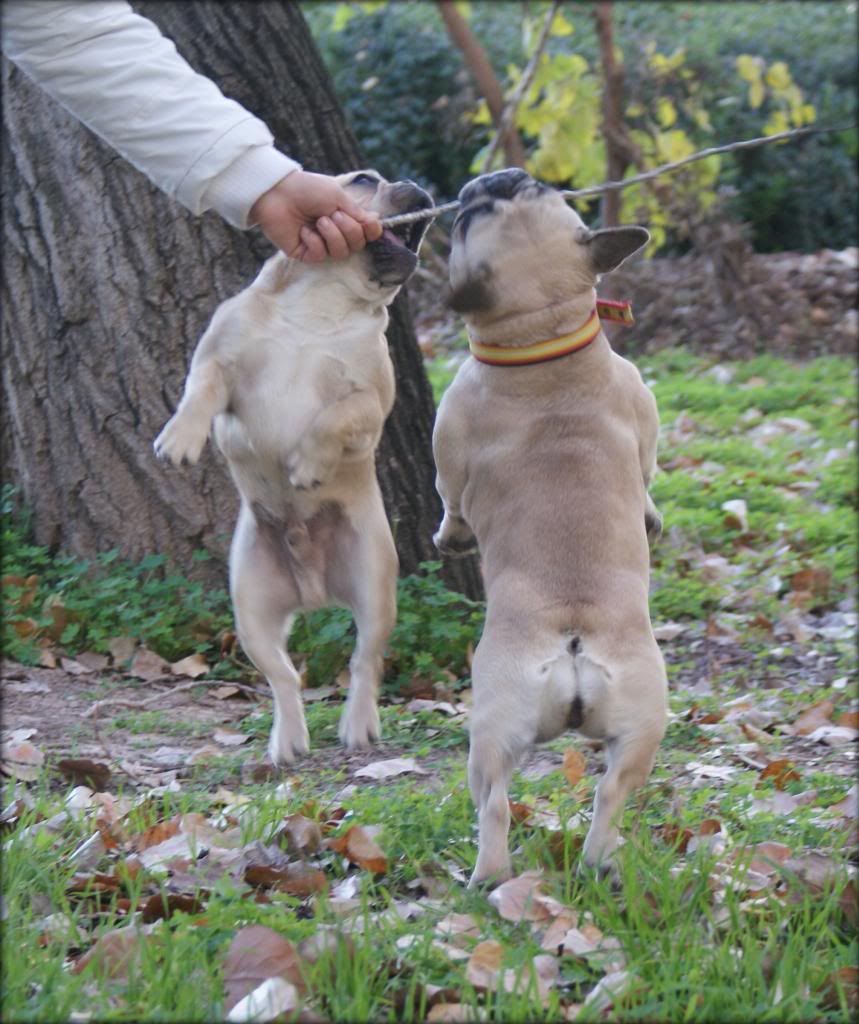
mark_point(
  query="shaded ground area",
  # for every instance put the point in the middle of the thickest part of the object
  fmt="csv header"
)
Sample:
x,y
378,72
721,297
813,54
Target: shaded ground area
x,y
185,725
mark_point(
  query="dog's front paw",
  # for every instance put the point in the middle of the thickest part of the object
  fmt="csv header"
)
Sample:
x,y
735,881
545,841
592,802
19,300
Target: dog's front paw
x,y
359,725
311,466
181,440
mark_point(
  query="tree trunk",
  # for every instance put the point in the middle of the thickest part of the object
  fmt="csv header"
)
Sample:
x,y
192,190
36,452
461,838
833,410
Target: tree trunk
x,y
612,112
108,286
484,77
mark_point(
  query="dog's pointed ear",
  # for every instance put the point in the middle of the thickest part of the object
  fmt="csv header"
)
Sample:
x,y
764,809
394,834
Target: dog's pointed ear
x,y
609,247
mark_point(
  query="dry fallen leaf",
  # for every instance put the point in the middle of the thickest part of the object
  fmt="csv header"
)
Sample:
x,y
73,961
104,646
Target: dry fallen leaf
x,y
553,937
484,965
74,667
603,995
833,735
84,772
768,857
815,581
849,719
268,1001
737,517
844,981
388,769
459,928
159,906
520,898
121,648
519,813
669,630
116,952
674,836
256,954
574,766
193,666
21,759
781,803
224,692
813,718
230,737
455,1013
546,971
148,665
156,834
302,835
358,846
781,772
295,879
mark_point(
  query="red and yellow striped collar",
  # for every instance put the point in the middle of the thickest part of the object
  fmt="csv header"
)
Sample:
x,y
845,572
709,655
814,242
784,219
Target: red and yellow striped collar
x,y
554,348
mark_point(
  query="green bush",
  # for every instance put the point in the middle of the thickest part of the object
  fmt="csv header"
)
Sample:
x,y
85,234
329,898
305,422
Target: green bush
x,y
83,604
76,605
430,639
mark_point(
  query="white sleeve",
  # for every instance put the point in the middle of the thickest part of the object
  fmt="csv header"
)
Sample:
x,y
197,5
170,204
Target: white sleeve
x,y
117,74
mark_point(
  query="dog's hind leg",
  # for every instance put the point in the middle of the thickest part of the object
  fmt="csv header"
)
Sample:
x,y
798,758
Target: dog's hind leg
x,y
366,579
265,596
503,725
631,750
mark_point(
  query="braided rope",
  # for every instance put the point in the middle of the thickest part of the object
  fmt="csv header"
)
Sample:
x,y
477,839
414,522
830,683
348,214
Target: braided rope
x,y
613,186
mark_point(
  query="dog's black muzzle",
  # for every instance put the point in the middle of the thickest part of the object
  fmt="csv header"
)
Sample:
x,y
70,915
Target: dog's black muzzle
x,y
480,195
394,255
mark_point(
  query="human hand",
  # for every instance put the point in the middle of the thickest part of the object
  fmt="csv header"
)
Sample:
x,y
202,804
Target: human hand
x,y
310,217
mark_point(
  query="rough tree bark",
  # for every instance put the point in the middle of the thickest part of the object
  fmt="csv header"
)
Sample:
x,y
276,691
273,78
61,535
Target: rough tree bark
x,y
108,285
484,77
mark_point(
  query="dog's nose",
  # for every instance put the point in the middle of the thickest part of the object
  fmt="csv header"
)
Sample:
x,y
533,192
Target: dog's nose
x,y
408,195
499,184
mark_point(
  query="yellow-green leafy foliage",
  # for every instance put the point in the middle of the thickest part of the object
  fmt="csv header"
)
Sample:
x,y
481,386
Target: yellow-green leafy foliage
x,y
774,87
560,117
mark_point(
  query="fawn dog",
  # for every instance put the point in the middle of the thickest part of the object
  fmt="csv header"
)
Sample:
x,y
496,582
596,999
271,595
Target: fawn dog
x,y
545,445
294,374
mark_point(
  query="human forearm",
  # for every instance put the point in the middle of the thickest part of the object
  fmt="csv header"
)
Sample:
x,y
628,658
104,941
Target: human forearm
x,y
115,72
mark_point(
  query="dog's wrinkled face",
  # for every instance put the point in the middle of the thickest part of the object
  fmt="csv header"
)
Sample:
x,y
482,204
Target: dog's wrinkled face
x,y
389,261
517,247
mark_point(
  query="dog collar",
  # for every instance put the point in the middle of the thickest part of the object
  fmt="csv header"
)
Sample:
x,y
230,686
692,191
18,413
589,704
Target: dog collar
x,y
554,348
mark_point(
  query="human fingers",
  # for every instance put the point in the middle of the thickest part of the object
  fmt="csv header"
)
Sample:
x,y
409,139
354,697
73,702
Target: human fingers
x,y
351,229
368,219
314,246
372,226
335,242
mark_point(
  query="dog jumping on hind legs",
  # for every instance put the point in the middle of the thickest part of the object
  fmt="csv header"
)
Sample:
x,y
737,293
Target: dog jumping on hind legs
x,y
545,444
294,374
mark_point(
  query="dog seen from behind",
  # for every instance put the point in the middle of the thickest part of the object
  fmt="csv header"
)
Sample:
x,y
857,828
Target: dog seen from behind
x,y
295,377
545,444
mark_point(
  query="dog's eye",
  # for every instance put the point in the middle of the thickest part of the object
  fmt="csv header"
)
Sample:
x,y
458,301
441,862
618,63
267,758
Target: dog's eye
x,y
364,179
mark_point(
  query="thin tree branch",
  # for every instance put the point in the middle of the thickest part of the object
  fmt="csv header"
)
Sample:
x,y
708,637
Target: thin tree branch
x,y
609,186
512,105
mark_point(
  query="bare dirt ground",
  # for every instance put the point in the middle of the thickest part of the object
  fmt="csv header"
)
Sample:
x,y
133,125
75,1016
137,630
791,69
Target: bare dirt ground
x,y
64,710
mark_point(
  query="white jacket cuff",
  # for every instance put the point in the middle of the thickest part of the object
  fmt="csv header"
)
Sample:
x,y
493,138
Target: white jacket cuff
x,y
235,189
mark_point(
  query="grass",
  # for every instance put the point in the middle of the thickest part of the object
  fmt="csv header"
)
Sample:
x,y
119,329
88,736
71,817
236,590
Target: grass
x,y
698,945
693,952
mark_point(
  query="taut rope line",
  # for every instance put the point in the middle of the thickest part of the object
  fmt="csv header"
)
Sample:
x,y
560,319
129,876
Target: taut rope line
x,y
613,186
